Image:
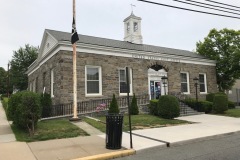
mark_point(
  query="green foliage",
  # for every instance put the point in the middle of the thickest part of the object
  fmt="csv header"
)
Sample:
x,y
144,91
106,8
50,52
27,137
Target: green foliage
x,y
20,62
134,107
28,111
13,103
220,103
200,106
206,106
210,97
3,81
153,107
231,105
113,106
223,46
49,129
168,107
46,103
5,104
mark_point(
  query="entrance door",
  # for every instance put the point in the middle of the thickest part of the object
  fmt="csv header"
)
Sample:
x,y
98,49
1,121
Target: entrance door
x,y
155,89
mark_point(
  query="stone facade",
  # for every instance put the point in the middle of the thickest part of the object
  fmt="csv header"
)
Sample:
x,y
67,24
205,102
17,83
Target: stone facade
x,y
61,63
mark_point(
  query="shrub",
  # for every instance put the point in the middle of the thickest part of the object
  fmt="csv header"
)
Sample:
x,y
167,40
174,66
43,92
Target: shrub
x,y
231,105
153,107
3,96
220,103
207,106
134,107
200,106
113,106
210,97
13,104
5,104
28,111
168,107
46,103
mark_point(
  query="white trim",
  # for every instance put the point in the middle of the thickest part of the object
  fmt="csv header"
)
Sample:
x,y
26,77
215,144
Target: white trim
x,y
130,81
103,50
205,83
100,81
52,83
34,85
188,85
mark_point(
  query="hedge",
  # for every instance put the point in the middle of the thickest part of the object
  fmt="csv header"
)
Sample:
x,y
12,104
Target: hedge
x,y
153,107
200,106
220,103
168,107
46,103
5,103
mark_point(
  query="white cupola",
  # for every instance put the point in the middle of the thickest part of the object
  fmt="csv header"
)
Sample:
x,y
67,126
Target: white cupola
x,y
132,29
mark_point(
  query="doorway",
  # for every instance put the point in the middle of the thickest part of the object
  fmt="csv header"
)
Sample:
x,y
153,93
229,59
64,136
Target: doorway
x,y
155,83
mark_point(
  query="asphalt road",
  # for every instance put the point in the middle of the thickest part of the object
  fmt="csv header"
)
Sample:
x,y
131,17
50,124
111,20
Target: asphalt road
x,y
225,147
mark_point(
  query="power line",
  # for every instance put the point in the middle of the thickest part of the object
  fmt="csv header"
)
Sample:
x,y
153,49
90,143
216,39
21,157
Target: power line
x,y
222,3
213,5
222,15
207,7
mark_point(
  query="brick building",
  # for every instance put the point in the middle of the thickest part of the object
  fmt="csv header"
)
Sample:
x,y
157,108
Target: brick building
x,y
101,67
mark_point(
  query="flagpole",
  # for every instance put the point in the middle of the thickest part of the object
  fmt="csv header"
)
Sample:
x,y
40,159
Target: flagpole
x,y
74,73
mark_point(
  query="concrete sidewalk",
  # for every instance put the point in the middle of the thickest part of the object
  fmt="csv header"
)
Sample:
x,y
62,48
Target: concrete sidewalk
x,y
206,126
93,147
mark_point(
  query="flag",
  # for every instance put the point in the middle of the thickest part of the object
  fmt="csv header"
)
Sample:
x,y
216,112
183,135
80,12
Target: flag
x,y
74,37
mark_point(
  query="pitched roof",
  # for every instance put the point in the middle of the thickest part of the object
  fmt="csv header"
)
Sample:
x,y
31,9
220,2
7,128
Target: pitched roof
x,y
64,36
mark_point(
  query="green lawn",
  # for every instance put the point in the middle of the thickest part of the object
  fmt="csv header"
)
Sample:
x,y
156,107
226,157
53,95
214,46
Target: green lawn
x,y
232,113
138,122
50,129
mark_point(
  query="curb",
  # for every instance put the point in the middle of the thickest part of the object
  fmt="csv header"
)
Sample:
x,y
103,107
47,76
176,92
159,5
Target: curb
x,y
184,142
111,155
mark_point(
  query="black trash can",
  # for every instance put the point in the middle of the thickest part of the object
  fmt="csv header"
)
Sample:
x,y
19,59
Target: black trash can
x,y
114,131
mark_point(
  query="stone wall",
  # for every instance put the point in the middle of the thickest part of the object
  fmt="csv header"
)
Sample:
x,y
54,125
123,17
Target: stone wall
x,y
62,64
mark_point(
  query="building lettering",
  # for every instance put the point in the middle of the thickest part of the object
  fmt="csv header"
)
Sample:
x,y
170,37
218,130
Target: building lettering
x,y
155,58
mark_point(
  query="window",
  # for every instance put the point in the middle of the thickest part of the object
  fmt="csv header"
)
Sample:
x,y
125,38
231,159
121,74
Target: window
x,y
128,27
185,82
93,75
52,83
123,81
202,83
135,28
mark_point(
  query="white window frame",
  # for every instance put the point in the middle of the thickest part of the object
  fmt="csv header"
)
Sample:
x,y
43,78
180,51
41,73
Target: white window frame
x,y
100,81
130,81
205,83
30,86
188,86
52,83
34,85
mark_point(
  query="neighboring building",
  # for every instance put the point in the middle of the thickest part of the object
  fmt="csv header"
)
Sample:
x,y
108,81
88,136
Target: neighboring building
x,y
234,93
101,66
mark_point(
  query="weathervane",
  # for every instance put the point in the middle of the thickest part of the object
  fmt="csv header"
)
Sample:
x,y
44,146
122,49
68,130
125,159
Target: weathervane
x,y
132,5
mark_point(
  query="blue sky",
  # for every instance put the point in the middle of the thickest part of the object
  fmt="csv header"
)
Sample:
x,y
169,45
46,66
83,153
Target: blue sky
x,y
23,22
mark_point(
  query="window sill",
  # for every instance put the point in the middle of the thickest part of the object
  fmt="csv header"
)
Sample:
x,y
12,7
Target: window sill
x,y
203,93
125,94
93,95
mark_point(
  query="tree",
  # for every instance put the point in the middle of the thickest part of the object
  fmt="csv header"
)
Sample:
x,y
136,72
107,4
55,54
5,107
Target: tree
x,y
113,106
224,47
3,81
20,62
134,107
